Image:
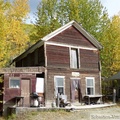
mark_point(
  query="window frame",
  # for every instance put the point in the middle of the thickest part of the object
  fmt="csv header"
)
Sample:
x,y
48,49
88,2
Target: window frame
x,y
14,78
77,58
56,87
93,86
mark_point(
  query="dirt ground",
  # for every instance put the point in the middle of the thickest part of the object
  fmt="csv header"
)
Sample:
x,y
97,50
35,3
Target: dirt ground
x,y
107,113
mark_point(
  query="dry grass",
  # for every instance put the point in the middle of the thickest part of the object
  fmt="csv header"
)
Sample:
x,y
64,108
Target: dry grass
x,y
48,115
1,118
63,115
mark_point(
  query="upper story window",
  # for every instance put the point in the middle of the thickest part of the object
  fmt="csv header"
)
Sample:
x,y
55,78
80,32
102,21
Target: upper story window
x,y
59,84
90,86
14,82
74,61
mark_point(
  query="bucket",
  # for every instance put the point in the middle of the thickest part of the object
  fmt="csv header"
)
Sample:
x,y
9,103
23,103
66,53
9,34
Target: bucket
x,y
35,103
53,104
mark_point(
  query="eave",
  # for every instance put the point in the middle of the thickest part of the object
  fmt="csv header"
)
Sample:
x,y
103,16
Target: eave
x,y
56,32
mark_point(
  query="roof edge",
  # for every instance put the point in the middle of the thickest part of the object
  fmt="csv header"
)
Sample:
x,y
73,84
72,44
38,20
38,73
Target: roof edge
x,y
57,31
78,27
29,50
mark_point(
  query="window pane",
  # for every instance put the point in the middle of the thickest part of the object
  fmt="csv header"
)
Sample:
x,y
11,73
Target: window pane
x,y
14,83
90,86
74,58
89,82
90,91
59,82
60,90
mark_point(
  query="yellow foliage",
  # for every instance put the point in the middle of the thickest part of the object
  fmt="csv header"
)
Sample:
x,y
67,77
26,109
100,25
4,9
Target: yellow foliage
x,y
74,7
13,37
115,33
19,9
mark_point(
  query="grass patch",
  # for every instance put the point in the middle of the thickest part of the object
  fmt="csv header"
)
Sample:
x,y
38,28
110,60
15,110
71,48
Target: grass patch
x,y
40,115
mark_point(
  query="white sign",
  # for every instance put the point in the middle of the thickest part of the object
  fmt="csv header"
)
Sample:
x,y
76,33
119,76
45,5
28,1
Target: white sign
x,y
76,74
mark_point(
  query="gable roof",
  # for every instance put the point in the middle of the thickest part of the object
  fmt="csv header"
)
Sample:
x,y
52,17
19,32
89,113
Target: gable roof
x,y
56,32
79,28
115,76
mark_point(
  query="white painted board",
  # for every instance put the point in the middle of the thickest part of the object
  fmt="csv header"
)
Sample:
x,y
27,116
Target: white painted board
x,y
40,85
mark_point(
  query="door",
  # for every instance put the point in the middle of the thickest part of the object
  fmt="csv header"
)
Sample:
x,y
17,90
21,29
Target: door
x,y
25,92
75,90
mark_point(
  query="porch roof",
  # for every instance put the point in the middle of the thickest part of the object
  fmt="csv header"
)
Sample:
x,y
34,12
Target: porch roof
x,y
22,70
115,76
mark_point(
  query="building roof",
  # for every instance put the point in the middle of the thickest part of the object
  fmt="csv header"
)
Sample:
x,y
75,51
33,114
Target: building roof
x,y
56,32
115,76
79,28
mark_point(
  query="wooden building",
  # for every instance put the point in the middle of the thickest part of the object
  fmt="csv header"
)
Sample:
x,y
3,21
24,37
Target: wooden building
x,y
66,61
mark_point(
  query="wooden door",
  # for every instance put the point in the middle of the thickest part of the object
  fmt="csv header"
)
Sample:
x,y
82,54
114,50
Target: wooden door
x,y
25,92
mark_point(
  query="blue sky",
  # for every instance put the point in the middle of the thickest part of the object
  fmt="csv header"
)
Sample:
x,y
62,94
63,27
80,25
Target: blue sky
x,y
113,7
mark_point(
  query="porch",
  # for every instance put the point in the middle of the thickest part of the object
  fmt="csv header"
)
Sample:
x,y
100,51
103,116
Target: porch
x,y
18,84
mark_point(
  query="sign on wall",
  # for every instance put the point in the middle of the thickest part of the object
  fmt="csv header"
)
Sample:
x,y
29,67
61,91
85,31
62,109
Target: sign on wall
x,y
76,74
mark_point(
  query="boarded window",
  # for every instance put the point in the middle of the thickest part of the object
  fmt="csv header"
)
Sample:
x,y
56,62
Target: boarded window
x,y
14,82
90,87
59,84
74,58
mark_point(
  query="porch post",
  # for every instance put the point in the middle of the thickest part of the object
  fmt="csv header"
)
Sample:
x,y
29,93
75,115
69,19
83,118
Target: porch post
x,y
114,95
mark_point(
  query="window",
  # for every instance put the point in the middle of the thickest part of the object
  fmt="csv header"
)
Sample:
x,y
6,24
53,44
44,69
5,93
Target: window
x,y
74,58
90,87
59,84
14,83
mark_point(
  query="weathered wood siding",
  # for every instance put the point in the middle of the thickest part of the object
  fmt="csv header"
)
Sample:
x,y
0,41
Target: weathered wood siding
x,y
22,70
57,56
50,82
89,59
68,76
36,58
83,75
58,62
11,93
72,36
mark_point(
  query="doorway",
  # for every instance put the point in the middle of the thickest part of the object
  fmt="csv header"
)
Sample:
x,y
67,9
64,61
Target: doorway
x,y
75,90
25,91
